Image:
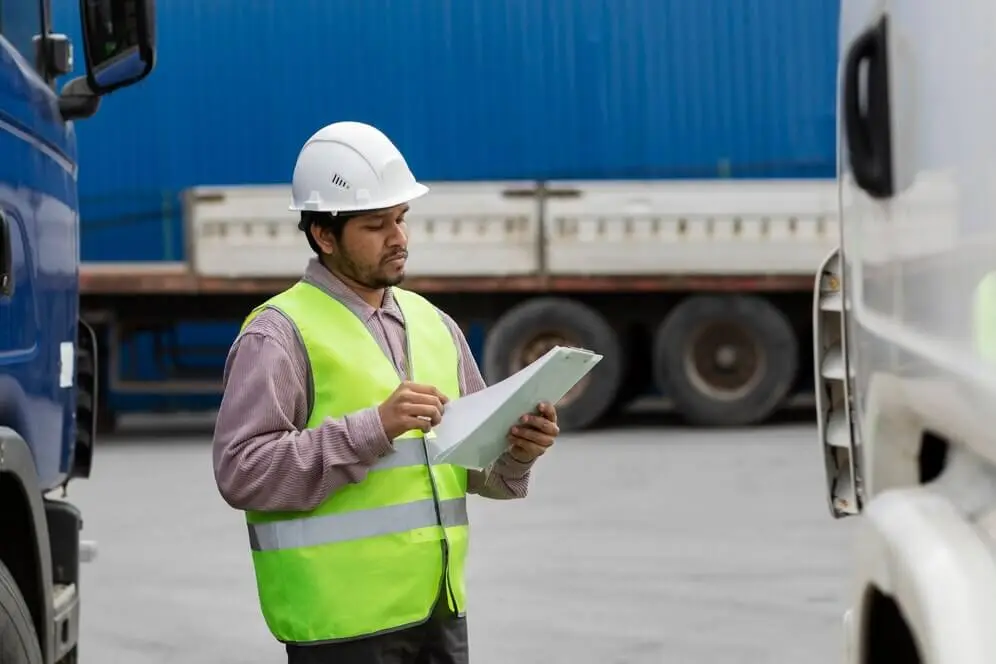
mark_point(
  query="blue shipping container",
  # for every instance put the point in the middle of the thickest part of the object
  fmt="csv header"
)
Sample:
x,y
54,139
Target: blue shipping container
x,y
469,89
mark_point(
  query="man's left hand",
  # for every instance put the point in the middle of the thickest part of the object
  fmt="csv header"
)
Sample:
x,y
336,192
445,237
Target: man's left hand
x,y
533,434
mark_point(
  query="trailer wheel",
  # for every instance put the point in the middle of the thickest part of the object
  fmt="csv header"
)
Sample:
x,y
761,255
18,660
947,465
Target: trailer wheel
x,y
525,332
725,360
18,639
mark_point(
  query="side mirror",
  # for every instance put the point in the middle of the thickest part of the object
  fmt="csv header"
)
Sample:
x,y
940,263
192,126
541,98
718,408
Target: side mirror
x,y
119,42
119,45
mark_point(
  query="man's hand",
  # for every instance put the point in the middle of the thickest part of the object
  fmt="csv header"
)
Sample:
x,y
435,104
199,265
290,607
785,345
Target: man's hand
x,y
533,434
411,406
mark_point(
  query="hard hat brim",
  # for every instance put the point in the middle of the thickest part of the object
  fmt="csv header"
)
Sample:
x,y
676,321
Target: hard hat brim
x,y
417,190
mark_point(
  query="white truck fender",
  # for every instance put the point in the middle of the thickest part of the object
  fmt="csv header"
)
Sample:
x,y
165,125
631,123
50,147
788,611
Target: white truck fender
x,y
914,546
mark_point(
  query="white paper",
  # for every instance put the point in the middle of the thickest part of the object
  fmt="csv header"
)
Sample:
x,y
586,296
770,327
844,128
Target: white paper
x,y
474,430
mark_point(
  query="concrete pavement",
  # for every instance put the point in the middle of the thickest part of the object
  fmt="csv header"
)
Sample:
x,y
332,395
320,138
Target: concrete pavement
x,y
637,545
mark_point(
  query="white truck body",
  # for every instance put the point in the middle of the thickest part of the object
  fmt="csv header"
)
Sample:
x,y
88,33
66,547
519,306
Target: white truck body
x,y
905,393
721,227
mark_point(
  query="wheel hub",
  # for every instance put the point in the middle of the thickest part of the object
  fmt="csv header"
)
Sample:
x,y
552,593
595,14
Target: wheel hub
x,y
724,361
726,357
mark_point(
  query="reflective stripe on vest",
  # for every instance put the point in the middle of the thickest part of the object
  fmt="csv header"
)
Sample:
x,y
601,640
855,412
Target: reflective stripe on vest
x,y
370,558
318,530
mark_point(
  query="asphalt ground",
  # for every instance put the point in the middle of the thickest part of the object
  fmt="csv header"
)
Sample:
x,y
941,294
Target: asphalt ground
x,y
643,543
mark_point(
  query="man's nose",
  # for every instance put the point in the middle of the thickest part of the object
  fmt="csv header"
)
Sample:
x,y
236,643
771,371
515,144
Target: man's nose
x,y
398,238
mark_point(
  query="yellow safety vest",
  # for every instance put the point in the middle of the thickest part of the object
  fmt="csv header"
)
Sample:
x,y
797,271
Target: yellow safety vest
x,y
374,556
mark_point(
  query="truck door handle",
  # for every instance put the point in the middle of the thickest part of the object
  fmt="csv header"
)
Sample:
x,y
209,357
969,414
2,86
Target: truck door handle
x,y
6,258
869,131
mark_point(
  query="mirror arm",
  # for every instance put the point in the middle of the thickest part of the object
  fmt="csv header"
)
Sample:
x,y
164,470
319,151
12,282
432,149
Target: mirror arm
x,y
77,101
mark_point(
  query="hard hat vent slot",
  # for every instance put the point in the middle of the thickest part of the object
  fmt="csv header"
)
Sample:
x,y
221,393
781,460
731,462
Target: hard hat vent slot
x,y
338,181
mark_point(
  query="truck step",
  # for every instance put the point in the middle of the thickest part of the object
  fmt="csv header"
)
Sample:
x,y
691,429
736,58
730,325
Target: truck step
x,y
63,596
833,399
65,605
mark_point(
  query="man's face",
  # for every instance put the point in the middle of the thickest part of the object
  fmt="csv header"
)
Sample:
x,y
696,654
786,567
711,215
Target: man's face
x,y
373,248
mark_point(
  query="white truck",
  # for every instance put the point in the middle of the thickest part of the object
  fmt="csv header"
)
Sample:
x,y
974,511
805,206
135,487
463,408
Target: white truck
x,y
904,330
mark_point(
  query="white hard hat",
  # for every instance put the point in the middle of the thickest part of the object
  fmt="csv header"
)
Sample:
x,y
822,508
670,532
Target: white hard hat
x,y
349,166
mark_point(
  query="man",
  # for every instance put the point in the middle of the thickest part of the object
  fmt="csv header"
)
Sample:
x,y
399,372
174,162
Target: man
x,y
358,547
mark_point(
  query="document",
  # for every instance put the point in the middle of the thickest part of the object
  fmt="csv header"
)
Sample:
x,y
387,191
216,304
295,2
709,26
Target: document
x,y
474,430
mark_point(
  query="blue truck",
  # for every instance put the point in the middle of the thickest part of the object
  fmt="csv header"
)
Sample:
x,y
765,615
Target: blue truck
x,y
48,355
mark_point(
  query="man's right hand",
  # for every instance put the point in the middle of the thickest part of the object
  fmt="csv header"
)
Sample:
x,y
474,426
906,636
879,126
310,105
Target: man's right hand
x,y
405,409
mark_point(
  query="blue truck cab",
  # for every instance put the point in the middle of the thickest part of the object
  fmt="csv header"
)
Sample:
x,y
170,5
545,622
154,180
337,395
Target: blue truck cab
x,y
47,354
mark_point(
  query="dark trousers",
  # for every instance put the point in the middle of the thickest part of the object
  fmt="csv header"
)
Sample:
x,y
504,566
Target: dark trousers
x,y
440,640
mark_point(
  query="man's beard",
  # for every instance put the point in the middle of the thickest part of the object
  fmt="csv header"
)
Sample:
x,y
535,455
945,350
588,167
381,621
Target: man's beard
x,y
383,281
368,279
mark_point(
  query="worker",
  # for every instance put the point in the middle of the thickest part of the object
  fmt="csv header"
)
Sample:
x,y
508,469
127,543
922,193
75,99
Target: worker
x,y
359,549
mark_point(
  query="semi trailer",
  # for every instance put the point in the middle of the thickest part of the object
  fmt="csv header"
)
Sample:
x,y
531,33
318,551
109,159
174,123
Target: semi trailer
x,y
652,179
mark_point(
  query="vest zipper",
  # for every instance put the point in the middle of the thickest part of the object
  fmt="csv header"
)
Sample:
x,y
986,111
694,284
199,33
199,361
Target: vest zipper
x,y
435,490
445,542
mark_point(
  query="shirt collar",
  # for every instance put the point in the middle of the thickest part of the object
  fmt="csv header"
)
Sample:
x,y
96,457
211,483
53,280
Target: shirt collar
x,y
318,275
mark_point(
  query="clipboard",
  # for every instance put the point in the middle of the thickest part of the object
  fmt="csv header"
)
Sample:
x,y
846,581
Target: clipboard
x,y
474,430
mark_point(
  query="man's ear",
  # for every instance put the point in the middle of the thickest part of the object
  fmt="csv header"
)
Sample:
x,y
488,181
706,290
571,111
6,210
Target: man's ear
x,y
324,238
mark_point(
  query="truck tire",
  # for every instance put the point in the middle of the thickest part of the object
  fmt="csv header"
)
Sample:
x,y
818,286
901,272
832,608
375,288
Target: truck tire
x,y
18,639
725,360
528,330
